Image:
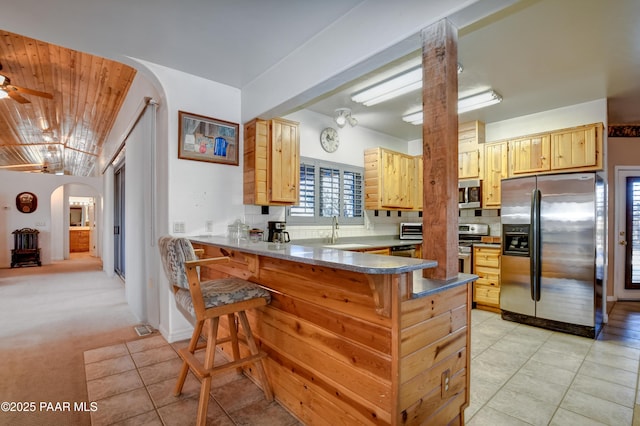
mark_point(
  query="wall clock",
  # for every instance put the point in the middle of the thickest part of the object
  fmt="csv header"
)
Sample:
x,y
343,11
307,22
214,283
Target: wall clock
x,y
329,139
26,202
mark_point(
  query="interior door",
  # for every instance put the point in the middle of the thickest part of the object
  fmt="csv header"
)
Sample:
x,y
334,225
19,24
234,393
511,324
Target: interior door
x,y
118,222
627,235
91,216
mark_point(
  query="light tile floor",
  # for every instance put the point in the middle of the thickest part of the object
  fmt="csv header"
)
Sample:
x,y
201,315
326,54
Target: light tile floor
x,y
132,384
523,375
520,375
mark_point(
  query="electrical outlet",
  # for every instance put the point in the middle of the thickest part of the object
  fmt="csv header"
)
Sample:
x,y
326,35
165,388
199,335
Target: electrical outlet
x,y
179,227
208,226
445,383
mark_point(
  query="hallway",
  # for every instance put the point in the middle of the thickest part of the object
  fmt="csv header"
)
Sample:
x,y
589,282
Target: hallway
x,y
50,315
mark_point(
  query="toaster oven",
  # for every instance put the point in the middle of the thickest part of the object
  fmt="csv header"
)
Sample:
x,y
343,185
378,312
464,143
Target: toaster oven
x,y
410,231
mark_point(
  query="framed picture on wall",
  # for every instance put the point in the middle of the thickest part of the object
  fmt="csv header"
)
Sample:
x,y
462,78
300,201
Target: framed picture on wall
x,y
208,139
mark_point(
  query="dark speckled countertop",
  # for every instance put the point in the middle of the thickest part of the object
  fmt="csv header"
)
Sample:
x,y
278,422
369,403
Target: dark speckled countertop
x,y
338,256
333,257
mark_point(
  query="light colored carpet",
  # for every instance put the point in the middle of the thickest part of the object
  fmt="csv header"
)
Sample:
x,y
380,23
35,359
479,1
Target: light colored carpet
x,y
49,316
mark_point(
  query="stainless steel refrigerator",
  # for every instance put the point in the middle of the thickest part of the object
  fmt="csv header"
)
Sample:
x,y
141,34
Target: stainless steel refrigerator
x,y
552,264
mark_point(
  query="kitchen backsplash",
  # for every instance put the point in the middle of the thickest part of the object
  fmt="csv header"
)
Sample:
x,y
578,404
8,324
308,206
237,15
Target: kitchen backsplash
x,y
489,216
374,225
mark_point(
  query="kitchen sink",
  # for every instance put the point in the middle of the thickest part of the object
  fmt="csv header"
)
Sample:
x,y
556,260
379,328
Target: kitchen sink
x,y
346,245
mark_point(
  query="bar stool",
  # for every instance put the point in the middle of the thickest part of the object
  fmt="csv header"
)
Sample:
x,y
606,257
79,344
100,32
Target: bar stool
x,y
206,301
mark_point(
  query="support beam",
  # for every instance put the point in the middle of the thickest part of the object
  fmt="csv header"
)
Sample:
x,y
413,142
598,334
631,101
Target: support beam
x,y
440,148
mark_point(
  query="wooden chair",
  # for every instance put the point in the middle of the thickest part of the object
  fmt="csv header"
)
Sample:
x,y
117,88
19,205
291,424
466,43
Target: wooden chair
x,y
208,301
25,247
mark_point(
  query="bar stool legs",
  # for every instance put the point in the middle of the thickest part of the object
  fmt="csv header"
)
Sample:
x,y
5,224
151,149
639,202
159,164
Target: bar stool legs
x,y
205,370
261,365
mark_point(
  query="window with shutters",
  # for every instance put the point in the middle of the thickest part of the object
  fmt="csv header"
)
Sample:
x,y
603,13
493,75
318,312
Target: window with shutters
x,y
327,190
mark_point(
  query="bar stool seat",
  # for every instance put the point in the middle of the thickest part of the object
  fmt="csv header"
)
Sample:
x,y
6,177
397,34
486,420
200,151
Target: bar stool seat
x,y
206,301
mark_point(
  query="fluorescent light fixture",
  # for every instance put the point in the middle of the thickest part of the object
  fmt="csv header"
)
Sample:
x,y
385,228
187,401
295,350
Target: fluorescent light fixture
x,y
469,103
402,83
478,101
413,118
390,88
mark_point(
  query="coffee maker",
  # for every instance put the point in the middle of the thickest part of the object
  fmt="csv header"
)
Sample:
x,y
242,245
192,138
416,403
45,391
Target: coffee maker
x,y
277,228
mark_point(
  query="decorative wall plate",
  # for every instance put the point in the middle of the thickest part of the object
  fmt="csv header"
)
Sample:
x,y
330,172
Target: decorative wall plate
x,y
26,202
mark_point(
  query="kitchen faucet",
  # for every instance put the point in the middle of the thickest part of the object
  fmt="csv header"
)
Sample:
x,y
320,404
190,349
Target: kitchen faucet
x,y
334,230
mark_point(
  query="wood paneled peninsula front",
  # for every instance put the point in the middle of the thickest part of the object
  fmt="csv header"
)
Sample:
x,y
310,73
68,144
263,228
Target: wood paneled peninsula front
x,y
356,338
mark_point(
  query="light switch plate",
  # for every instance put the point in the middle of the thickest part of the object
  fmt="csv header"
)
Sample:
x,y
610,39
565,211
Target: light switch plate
x,y
179,227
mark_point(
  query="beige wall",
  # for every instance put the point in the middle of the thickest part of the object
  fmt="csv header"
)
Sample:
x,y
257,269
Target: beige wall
x,y
620,152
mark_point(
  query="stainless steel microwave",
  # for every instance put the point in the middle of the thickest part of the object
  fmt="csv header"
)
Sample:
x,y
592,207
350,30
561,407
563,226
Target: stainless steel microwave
x,y
470,194
411,231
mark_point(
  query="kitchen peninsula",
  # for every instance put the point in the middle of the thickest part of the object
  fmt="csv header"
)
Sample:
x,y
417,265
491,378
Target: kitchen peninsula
x,y
355,338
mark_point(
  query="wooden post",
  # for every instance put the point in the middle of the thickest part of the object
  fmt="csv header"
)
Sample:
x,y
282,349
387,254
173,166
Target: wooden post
x,y
440,148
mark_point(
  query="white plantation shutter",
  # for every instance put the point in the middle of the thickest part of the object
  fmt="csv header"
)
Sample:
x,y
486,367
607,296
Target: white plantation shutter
x,y
327,190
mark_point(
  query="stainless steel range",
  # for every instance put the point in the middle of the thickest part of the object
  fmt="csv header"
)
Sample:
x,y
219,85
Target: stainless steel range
x,y
469,233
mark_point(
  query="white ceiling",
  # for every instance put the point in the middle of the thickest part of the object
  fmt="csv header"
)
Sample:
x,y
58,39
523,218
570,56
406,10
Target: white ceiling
x,y
538,54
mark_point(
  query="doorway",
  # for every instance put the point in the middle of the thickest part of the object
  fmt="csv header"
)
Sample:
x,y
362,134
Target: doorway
x,y
82,225
118,222
627,234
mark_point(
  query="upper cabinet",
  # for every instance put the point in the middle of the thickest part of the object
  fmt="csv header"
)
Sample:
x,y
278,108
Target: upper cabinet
x,y
566,150
495,169
573,149
417,182
271,162
577,147
470,150
391,180
529,154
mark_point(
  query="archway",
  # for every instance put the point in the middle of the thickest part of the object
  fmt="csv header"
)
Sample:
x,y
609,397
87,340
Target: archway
x,y
63,199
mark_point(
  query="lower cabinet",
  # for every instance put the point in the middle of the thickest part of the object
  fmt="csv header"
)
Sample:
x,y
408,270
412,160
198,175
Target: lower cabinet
x,y
385,251
486,265
78,240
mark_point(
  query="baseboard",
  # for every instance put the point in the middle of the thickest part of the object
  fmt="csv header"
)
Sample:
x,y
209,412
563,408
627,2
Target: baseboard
x,y
177,335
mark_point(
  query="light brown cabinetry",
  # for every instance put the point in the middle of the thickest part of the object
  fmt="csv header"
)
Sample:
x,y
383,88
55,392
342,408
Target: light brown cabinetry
x,y
79,240
529,154
391,180
486,265
384,250
576,148
387,250
470,150
566,150
495,169
417,182
271,162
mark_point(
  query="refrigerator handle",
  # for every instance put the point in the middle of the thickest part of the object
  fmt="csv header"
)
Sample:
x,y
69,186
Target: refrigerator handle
x,y
534,245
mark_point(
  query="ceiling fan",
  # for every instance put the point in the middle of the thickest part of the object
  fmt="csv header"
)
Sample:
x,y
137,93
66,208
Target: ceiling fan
x,y
14,91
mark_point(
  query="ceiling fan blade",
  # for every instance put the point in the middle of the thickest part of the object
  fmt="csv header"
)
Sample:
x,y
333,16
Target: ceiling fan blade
x,y
16,97
30,91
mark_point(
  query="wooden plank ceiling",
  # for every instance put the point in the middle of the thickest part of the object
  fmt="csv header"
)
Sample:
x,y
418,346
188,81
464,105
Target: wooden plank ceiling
x,y
64,134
